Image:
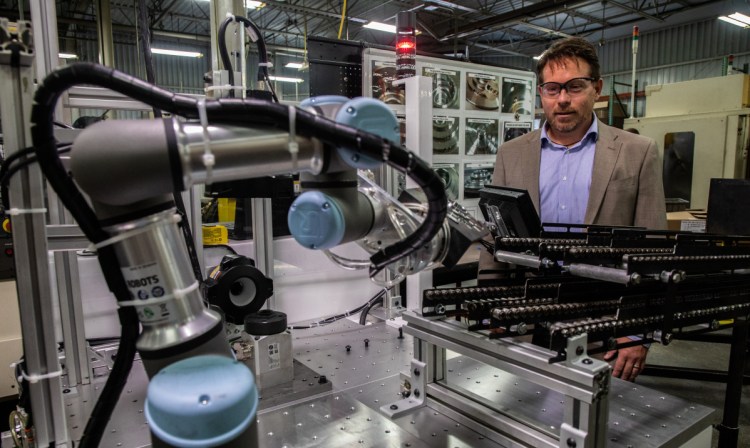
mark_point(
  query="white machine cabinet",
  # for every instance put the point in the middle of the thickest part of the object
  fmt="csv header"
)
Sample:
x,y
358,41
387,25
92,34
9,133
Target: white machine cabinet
x,y
701,128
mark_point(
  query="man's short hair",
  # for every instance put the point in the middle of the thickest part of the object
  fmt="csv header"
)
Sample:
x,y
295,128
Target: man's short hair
x,y
569,48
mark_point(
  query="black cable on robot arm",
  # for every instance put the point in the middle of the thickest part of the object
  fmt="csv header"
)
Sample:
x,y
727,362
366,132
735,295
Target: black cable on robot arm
x,y
240,112
262,52
226,61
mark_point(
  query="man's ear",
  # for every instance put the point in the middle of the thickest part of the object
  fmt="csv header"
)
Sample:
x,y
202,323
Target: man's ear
x,y
599,84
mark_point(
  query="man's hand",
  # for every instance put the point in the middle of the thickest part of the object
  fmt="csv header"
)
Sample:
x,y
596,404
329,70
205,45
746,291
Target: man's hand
x,y
630,360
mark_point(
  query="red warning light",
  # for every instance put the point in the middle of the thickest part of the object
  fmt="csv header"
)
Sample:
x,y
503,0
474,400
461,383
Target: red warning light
x,y
406,45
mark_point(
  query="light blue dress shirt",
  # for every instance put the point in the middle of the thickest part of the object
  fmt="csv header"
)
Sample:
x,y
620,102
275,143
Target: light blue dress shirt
x,y
565,177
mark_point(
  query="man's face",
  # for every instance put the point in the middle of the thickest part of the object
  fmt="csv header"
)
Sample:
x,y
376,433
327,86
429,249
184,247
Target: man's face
x,y
569,116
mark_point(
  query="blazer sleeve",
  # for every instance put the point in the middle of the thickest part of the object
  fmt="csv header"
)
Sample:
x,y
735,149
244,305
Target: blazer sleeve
x,y
651,208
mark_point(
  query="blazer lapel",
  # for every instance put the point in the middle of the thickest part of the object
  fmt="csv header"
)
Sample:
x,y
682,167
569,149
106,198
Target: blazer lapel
x,y
527,169
605,158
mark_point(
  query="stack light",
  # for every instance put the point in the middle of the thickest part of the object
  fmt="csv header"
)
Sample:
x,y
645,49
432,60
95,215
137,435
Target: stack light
x,y
406,44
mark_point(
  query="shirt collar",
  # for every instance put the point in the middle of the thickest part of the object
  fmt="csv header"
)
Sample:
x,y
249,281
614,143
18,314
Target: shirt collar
x,y
592,133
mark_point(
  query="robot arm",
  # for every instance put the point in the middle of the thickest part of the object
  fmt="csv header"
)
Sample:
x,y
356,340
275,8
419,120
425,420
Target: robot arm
x,y
128,170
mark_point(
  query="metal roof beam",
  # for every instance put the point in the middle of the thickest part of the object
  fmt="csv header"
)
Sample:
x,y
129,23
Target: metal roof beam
x,y
635,11
511,17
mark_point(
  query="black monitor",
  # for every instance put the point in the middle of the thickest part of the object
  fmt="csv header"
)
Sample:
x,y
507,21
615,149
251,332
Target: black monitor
x,y
510,210
728,213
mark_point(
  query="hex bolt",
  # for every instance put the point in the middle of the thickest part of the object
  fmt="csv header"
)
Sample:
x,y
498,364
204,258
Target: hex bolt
x,y
678,276
635,278
571,442
587,361
579,350
348,348
394,407
416,372
667,339
322,379
416,393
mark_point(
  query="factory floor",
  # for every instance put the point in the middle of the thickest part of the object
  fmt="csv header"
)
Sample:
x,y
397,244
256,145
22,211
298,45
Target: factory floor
x,y
698,355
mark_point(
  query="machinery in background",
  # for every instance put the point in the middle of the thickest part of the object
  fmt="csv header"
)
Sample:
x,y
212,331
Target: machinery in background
x,y
700,136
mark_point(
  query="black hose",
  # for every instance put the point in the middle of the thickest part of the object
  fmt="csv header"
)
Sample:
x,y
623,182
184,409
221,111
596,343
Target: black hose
x,y
224,54
332,319
226,61
368,306
118,377
7,171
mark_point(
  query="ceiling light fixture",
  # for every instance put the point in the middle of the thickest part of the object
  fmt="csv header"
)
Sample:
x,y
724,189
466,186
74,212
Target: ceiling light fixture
x,y
449,5
285,79
297,65
252,4
249,4
67,56
381,27
738,19
187,54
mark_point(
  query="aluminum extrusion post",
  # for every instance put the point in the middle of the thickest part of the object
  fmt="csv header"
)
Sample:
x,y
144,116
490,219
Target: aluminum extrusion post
x,y
419,140
66,263
31,254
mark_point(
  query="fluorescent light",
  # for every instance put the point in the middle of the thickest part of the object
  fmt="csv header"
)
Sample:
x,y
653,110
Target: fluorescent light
x,y
253,4
187,54
732,21
249,4
741,18
297,65
285,79
381,27
67,56
449,5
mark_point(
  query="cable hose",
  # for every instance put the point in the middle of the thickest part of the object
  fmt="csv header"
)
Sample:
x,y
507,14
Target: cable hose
x,y
226,61
368,307
224,53
232,111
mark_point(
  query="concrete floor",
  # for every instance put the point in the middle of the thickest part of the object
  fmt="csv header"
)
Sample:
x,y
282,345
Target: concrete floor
x,y
700,355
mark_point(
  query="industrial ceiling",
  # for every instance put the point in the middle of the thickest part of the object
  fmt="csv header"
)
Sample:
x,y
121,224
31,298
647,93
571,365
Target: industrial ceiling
x,y
476,27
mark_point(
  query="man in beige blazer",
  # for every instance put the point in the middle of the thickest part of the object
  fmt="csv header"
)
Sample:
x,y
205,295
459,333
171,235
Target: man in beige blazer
x,y
579,170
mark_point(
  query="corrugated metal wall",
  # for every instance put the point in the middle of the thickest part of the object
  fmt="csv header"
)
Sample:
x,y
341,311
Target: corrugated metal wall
x,y
685,52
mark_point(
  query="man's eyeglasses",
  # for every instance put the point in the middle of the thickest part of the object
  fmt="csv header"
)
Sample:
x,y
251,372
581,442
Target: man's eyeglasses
x,y
574,86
